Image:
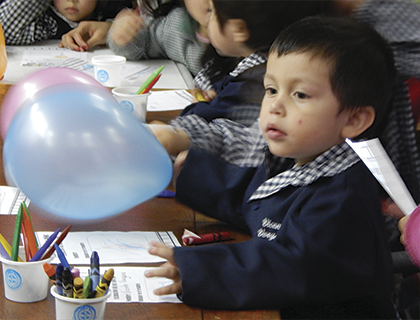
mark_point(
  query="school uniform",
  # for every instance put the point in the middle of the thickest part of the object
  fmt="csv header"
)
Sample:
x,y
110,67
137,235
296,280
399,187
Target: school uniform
x,y
318,248
239,94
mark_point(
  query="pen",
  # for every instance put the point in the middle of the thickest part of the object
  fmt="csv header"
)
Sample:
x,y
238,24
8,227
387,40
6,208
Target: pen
x,y
45,246
62,257
58,241
149,80
150,86
207,238
94,269
16,235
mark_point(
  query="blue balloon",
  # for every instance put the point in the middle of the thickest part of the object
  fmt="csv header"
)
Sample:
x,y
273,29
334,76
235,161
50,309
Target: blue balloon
x,y
75,153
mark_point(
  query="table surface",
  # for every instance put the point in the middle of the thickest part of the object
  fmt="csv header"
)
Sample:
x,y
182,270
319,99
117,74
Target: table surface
x,y
153,215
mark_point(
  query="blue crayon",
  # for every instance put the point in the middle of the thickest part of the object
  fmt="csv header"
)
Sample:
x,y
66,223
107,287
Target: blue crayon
x,y
67,283
94,269
58,279
61,257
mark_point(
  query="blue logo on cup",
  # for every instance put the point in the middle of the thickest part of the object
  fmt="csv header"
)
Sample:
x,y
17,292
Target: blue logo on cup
x,y
13,279
85,312
102,75
127,106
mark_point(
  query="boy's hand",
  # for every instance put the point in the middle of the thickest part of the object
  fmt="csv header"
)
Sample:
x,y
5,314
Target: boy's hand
x,y
168,270
126,25
86,35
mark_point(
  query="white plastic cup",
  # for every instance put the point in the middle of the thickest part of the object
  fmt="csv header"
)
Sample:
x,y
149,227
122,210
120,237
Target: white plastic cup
x,y
25,281
71,308
130,102
108,69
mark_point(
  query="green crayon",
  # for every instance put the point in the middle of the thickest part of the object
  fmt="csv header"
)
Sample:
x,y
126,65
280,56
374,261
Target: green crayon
x,y
104,283
87,287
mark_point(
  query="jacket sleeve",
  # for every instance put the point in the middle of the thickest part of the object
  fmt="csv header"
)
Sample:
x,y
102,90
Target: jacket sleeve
x,y
327,249
25,21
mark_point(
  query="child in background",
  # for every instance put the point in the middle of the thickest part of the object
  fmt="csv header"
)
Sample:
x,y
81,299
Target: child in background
x,y
27,21
244,31
318,248
174,30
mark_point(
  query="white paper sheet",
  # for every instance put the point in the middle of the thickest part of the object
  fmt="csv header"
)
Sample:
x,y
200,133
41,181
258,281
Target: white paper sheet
x,y
168,100
377,160
113,247
10,200
130,285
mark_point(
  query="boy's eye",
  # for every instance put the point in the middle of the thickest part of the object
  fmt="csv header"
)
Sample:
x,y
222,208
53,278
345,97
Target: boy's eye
x,y
300,95
270,91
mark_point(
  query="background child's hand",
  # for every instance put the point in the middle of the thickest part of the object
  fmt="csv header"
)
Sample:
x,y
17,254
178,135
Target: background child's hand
x,y
168,270
126,25
86,35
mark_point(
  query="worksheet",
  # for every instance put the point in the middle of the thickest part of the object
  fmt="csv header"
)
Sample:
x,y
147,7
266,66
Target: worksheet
x,y
113,247
10,200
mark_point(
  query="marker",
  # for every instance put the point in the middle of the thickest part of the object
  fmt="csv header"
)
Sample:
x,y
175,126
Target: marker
x,y
104,283
199,96
67,283
78,288
26,210
7,247
3,252
58,278
16,235
166,194
58,241
87,287
94,269
149,80
50,271
207,238
62,257
45,246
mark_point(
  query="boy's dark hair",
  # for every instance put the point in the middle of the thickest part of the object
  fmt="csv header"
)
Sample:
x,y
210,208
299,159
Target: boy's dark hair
x,y
264,20
362,71
108,9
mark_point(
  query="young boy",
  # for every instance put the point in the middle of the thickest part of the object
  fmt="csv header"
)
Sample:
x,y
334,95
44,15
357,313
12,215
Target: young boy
x,y
318,248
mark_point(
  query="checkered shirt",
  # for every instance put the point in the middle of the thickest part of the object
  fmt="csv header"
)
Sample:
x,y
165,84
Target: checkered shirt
x,y
246,147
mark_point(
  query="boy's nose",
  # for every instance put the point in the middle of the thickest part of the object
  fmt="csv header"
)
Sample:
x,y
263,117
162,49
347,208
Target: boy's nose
x,y
278,105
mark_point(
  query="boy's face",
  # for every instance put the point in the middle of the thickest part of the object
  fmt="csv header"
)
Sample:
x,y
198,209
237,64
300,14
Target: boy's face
x,y
299,116
75,10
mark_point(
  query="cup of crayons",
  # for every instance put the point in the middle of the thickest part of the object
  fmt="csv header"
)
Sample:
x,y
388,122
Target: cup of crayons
x,y
77,298
23,275
134,100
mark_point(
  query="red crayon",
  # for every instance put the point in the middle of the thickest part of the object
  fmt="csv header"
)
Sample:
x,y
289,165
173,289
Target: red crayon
x,y
207,238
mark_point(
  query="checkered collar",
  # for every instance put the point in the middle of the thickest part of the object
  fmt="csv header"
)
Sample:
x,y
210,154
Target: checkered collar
x,y
330,163
249,62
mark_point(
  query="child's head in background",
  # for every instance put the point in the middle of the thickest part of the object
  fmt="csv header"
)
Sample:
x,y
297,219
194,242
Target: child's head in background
x,y
327,79
90,9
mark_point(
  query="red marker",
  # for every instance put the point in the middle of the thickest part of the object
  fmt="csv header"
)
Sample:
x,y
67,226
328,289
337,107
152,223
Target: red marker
x,y
206,238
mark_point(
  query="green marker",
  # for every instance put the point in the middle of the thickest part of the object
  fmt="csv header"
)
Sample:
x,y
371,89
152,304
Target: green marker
x,y
149,80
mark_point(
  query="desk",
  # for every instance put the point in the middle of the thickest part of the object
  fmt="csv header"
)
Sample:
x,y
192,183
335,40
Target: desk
x,y
153,215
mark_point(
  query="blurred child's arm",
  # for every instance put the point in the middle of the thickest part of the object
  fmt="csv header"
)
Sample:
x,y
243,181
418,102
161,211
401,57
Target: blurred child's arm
x,y
167,270
126,25
174,140
86,35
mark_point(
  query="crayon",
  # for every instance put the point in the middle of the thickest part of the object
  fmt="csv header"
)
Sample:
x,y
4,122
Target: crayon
x,y
61,257
78,288
45,246
207,238
94,269
67,283
58,241
29,230
104,283
58,279
199,96
149,80
7,247
49,270
16,235
87,287
75,272
150,86
3,252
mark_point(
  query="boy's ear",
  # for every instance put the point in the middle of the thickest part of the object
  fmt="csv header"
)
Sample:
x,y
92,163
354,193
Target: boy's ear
x,y
240,30
359,121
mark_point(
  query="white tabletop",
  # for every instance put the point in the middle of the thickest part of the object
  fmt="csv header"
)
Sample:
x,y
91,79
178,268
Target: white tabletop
x,y
174,75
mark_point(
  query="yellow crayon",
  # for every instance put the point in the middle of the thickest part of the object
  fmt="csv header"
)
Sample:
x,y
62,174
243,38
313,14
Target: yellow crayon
x,y
199,96
78,288
104,283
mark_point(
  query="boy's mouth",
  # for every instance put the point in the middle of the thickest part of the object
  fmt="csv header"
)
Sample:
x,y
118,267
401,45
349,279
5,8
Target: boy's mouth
x,y
273,132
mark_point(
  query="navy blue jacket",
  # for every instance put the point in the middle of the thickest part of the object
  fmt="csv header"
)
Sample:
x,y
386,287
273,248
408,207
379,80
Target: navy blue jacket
x,y
245,89
316,251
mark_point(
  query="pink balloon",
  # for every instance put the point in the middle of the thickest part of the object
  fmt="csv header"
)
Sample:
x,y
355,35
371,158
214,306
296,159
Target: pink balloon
x,y
35,82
